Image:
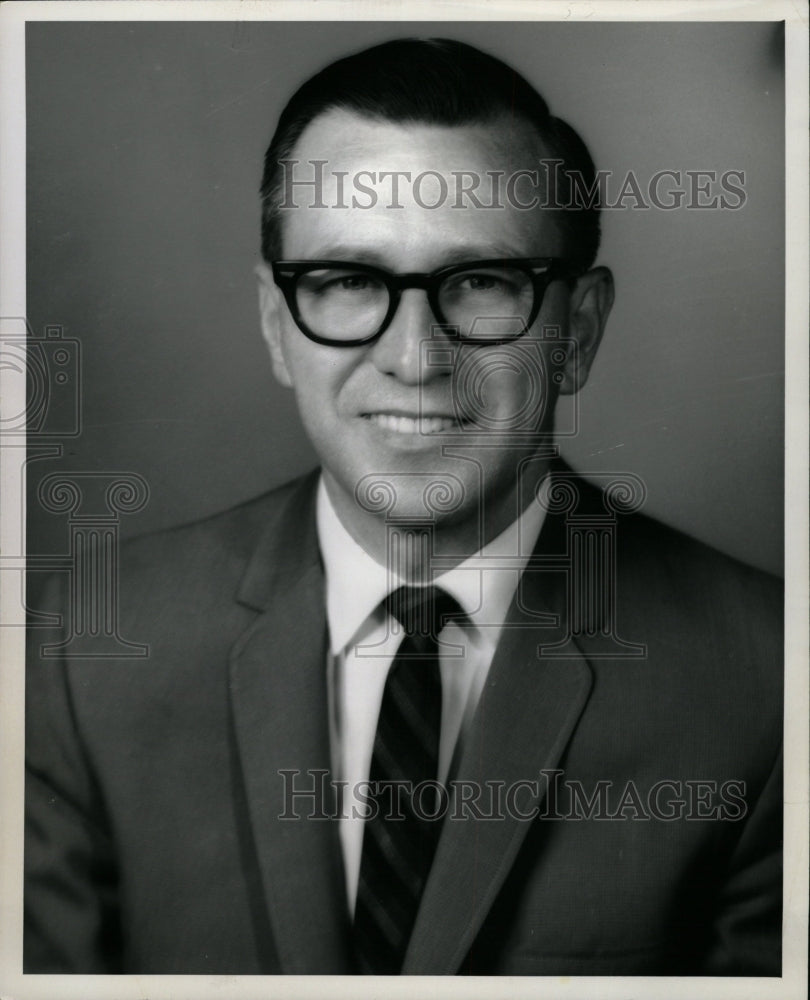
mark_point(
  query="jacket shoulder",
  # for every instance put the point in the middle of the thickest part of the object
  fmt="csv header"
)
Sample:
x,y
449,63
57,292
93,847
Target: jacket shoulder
x,y
696,570
225,539
669,590
651,554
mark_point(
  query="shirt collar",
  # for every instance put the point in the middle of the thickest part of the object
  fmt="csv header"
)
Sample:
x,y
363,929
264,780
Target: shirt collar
x,y
356,584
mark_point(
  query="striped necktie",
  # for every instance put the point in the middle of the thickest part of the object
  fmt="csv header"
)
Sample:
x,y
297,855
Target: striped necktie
x,y
399,841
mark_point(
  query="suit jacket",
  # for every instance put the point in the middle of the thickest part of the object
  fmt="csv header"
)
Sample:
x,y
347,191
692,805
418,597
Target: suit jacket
x,y
154,792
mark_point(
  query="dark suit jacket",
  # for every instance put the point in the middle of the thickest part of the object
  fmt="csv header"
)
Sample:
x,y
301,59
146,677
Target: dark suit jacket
x,y
154,842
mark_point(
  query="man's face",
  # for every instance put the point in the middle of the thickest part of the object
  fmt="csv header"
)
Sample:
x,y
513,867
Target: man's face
x,y
381,410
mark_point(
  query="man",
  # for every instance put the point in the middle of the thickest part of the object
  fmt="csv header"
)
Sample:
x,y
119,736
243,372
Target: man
x,y
441,708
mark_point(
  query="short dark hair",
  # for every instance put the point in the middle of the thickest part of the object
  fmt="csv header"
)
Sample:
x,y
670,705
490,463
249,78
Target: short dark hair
x,y
433,81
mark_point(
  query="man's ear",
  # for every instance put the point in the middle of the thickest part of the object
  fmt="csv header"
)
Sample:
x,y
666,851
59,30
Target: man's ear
x,y
270,305
590,303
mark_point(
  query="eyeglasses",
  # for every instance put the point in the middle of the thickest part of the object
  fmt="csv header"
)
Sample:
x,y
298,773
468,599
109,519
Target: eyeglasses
x,y
343,304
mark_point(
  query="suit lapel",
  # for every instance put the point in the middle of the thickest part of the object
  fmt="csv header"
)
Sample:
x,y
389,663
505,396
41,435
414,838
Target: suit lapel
x,y
525,718
280,711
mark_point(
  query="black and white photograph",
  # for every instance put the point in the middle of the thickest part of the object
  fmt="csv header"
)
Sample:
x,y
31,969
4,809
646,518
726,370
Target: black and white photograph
x,y
404,565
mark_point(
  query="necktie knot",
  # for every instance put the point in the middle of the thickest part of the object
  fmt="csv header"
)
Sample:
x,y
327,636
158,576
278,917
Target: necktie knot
x,y
422,611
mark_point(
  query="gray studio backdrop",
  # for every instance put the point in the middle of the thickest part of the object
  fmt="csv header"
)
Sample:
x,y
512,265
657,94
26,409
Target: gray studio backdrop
x,y
145,143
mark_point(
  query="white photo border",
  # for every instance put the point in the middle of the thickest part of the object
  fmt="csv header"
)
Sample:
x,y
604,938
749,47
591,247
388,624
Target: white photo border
x,y
793,983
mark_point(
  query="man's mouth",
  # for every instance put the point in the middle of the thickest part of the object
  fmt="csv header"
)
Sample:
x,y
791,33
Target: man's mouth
x,y
398,423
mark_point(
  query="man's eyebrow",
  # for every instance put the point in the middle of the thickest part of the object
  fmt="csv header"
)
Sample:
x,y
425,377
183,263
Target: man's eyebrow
x,y
482,251
348,252
456,255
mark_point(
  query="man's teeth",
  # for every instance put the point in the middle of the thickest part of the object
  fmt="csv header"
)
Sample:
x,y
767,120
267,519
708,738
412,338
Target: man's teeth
x,y
413,425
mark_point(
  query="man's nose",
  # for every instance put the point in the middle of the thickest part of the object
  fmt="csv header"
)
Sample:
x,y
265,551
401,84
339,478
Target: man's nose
x,y
399,351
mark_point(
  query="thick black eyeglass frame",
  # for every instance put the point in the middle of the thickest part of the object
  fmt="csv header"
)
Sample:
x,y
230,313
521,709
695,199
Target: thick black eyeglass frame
x,y
541,270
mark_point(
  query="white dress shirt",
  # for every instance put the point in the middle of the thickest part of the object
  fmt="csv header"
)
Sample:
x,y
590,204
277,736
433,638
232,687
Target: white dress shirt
x,y
362,646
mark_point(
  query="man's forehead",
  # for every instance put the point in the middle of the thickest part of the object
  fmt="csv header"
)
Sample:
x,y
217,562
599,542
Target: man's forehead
x,y
356,187
339,135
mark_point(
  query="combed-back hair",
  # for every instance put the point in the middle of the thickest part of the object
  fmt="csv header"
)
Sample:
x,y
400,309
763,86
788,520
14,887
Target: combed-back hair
x,y
435,81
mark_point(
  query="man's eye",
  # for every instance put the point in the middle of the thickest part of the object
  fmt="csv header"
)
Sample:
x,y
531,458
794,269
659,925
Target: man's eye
x,y
348,283
482,282
354,282
339,289
471,282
